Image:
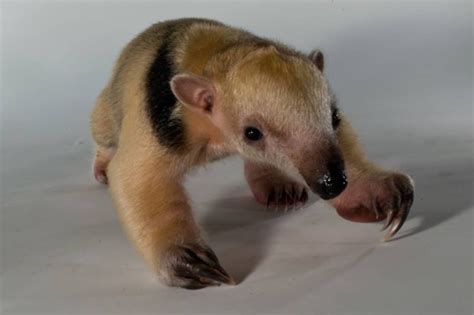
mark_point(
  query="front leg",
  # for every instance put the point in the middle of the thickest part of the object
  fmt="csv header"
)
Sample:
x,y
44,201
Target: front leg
x,y
272,188
155,213
372,194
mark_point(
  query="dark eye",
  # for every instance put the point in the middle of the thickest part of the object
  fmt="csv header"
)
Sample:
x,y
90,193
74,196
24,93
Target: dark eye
x,y
336,118
253,134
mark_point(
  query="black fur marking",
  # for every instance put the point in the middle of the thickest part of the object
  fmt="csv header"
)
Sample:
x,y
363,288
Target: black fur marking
x,y
336,118
170,131
335,112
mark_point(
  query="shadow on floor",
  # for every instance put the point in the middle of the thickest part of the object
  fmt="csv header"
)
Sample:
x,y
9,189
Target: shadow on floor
x,y
225,221
443,190
239,229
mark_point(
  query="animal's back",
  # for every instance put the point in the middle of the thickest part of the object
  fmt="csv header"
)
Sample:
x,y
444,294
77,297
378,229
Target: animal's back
x,y
130,68
190,42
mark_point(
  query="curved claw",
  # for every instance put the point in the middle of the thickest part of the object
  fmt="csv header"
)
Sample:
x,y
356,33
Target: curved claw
x,y
397,225
293,195
286,198
401,217
304,196
198,279
270,198
196,267
389,220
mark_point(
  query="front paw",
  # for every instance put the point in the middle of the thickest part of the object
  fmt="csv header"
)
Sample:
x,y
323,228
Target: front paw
x,y
285,196
272,188
279,195
192,266
375,197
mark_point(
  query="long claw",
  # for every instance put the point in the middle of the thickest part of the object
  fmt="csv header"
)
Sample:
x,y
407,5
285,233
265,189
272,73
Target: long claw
x,y
214,276
197,279
389,220
198,267
279,195
303,196
377,210
293,200
278,198
402,216
293,195
396,226
227,278
270,198
286,199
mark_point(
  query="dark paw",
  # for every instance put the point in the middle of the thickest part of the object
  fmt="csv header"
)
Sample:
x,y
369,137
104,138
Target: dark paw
x,y
287,197
194,267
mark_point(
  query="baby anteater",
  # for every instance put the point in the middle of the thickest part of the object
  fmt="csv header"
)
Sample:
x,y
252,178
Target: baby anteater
x,y
189,91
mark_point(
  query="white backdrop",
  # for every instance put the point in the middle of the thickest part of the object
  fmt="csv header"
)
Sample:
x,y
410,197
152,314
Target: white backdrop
x,y
402,71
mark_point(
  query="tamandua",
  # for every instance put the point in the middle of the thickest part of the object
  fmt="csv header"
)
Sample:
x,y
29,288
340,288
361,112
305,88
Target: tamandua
x,y
189,91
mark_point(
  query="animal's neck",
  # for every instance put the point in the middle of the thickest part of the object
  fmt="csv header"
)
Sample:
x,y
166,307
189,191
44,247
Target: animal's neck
x,y
204,138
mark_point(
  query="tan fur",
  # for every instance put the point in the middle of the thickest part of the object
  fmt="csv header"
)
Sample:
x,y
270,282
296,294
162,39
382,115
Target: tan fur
x,y
354,156
145,177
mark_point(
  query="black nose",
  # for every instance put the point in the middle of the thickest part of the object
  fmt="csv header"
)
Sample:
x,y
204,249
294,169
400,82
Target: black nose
x,y
331,184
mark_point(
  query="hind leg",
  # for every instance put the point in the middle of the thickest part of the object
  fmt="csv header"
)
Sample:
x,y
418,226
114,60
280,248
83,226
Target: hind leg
x,y
104,132
272,188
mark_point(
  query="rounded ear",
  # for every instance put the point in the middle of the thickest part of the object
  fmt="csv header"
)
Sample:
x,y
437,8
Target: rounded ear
x,y
194,91
317,57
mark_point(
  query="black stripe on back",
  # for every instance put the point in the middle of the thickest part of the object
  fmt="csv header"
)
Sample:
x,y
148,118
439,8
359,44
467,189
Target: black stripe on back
x,y
161,100
335,113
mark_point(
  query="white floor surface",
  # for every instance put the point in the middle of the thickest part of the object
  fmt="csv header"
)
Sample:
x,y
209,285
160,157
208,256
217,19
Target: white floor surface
x,y
403,74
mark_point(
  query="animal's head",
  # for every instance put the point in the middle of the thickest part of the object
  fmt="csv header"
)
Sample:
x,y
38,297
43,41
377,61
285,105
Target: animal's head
x,y
275,108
